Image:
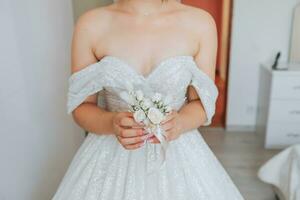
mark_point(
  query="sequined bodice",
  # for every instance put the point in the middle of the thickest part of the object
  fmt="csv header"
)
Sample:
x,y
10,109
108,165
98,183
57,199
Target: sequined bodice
x,y
172,76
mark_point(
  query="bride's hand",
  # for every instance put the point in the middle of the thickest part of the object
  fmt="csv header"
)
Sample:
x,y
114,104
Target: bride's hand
x,y
129,133
172,127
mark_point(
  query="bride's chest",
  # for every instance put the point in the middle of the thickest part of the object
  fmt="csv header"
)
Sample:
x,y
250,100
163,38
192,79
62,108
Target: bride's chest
x,y
143,48
170,76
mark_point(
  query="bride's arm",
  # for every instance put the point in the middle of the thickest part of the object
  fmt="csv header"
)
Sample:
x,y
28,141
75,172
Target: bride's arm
x,y
192,115
88,115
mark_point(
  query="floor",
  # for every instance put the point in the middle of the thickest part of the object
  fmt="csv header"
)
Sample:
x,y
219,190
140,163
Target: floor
x,y
241,154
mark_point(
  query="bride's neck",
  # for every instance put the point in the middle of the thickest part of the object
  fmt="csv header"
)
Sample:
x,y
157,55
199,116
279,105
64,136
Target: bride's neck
x,y
144,6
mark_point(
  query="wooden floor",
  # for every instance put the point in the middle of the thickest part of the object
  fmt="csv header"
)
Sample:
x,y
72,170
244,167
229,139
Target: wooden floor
x,y
241,155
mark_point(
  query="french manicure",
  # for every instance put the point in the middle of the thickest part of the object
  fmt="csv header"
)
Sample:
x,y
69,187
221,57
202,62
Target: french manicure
x,y
144,137
142,144
151,140
150,135
139,132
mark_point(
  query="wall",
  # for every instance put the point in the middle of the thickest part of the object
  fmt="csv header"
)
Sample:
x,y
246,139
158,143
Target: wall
x,y
38,138
260,28
80,6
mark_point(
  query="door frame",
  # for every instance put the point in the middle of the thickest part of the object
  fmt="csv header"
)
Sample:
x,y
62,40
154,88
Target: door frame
x,y
227,17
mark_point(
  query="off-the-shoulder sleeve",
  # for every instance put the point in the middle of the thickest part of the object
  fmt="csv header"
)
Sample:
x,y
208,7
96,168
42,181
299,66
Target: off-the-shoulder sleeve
x,y
206,90
84,83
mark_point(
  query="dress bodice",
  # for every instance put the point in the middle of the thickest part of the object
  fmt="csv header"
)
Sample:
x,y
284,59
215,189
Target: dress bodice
x,y
184,168
171,77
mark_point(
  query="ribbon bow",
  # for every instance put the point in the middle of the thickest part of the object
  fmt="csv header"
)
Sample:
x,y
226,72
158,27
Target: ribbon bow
x,y
156,155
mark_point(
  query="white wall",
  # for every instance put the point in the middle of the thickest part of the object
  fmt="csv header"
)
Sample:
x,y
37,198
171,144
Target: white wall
x,y
38,138
260,28
80,6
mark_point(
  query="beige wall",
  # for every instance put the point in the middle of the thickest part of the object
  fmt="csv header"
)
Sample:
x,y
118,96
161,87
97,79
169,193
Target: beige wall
x,y
295,42
80,6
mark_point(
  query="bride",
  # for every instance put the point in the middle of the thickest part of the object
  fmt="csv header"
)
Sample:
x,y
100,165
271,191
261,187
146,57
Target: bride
x,y
160,46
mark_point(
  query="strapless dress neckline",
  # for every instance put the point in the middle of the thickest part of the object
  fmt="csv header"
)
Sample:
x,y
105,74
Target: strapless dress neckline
x,y
122,65
154,68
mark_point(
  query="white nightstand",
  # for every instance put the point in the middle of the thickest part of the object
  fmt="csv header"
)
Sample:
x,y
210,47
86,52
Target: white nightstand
x,y
278,114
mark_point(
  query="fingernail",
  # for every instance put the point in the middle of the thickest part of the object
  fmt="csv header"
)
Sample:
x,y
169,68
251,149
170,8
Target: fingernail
x,y
144,137
142,144
139,132
151,134
151,140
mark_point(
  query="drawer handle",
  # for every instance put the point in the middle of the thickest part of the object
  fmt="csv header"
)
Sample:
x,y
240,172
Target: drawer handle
x,y
293,135
295,112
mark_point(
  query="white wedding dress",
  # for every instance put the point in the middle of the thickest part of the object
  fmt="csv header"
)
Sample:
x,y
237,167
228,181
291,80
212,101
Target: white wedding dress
x,y
103,170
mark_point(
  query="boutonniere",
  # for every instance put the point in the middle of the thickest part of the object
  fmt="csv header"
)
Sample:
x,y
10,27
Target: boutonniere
x,y
150,110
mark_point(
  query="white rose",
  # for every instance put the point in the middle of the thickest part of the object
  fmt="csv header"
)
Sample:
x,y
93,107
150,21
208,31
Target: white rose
x,y
146,104
139,116
155,115
146,121
156,97
139,95
127,98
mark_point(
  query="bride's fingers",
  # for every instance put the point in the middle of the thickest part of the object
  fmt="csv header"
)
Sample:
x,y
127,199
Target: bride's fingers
x,y
153,140
132,140
129,122
134,146
168,136
132,132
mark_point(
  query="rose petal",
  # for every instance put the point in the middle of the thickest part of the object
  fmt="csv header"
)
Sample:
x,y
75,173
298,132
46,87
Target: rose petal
x,y
155,116
139,116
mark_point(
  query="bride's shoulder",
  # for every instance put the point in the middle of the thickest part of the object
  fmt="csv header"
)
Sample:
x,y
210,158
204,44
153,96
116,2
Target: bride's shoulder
x,y
95,19
197,18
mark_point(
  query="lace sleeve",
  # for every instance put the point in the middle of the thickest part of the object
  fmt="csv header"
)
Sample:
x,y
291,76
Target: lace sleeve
x,y
206,90
84,83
